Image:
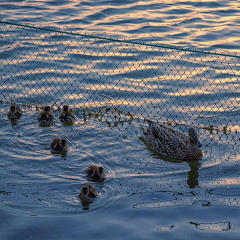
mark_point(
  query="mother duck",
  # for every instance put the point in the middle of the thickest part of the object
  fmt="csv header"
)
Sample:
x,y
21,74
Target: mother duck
x,y
172,142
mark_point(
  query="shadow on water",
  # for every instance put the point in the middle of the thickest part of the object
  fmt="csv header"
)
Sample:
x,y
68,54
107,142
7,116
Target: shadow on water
x,y
46,125
14,122
85,205
150,181
194,165
63,154
193,174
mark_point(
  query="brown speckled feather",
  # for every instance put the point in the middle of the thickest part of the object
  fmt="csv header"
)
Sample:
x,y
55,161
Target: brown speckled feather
x,y
171,142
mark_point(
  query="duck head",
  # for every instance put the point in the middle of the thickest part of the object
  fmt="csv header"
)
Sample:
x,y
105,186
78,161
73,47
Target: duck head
x,y
194,137
44,118
13,108
47,109
65,108
100,171
95,172
63,144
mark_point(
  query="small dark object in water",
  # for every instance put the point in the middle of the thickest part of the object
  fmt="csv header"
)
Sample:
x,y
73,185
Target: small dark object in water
x,y
67,114
45,116
87,193
15,112
95,172
59,144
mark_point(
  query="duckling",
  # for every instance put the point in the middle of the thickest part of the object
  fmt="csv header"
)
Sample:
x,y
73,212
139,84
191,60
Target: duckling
x,y
95,172
67,114
14,112
45,116
172,142
87,192
59,144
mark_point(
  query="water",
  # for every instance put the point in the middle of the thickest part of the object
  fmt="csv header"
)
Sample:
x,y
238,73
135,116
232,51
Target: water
x,y
112,87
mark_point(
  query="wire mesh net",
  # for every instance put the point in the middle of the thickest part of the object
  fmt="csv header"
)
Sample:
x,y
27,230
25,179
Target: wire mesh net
x,y
40,66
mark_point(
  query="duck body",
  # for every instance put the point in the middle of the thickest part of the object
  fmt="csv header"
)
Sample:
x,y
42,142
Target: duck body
x,y
45,116
67,114
59,144
95,172
14,112
87,193
172,142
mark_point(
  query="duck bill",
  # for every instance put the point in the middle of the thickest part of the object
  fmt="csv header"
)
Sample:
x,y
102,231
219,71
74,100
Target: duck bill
x,y
199,144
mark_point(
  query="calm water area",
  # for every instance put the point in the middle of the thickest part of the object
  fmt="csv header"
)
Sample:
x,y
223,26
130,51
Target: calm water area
x,y
113,86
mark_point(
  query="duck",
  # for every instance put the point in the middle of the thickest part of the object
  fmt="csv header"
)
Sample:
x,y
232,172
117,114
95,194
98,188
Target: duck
x,y
95,172
45,116
67,114
87,192
15,112
59,144
172,142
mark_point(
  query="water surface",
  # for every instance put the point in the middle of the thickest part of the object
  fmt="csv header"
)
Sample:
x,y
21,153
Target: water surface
x,y
112,87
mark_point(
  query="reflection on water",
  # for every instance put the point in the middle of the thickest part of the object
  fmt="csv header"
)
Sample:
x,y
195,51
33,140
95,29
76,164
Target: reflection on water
x,y
185,88
85,205
193,174
209,24
14,122
105,138
218,227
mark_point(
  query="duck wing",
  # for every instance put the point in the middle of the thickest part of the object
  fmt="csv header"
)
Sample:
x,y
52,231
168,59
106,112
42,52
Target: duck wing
x,y
157,128
165,141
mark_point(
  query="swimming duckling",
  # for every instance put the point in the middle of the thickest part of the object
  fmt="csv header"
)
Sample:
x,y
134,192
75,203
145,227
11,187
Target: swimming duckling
x,y
87,193
172,142
59,144
67,114
45,116
14,112
95,172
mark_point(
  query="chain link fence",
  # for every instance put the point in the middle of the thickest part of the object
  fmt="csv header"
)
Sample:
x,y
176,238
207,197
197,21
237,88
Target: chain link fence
x,y
44,66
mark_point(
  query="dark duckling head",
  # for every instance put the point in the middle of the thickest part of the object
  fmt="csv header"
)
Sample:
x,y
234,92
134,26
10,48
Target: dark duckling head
x,y
13,108
65,108
47,109
87,192
64,143
14,112
95,172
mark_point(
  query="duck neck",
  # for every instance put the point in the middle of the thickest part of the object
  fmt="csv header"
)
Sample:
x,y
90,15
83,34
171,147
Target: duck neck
x,y
192,141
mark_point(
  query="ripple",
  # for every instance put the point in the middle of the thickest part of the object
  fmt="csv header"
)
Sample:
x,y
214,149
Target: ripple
x,y
216,227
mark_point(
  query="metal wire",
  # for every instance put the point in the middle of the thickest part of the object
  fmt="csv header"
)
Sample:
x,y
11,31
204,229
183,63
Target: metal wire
x,y
40,66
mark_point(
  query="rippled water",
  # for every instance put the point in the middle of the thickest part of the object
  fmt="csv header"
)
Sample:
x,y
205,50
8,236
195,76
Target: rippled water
x,y
112,87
